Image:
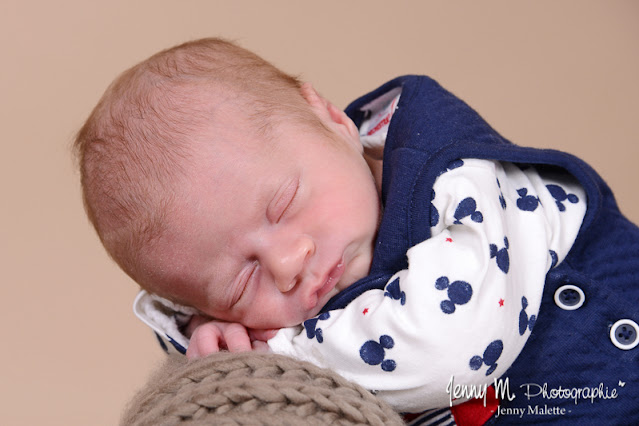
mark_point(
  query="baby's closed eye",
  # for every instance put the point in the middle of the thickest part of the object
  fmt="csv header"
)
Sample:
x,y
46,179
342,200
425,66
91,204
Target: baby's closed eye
x,y
283,200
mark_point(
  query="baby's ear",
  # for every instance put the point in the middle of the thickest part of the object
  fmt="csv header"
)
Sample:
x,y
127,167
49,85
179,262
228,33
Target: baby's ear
x,y
330,115
312,97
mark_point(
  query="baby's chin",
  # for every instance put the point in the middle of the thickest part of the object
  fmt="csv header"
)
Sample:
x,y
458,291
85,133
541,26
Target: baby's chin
x,y
317,309
313,313
303,316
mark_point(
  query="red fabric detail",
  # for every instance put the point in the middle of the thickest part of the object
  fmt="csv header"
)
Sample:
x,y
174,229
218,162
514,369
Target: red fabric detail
x,y
473,412
380,125
501,302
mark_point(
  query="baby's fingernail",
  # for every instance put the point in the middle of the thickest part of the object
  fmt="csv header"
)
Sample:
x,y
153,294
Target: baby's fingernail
x,y
192,354
259,346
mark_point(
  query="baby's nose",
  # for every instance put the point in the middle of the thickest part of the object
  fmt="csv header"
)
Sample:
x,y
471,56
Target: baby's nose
x,y
288,261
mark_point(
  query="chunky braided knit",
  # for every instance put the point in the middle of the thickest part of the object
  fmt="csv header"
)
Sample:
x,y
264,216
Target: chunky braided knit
x,y
253,389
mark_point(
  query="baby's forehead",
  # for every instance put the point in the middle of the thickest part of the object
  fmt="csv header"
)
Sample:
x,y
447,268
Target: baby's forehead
x,y
232,137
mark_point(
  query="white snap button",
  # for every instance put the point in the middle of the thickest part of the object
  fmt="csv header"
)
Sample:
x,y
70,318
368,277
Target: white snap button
x,y
624,334
569,297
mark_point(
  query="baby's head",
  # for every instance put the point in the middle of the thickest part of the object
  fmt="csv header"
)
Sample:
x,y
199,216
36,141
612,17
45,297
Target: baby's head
x,y
217,181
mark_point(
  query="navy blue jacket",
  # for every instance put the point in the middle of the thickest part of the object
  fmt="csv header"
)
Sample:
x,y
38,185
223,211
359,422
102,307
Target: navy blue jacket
x,y
567,349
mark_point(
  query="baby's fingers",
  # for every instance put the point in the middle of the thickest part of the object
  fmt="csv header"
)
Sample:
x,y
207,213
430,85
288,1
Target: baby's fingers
x,y
205,340
262,334
260,346
236,337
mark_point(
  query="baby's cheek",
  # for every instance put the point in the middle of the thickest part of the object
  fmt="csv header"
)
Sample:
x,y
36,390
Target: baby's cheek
x,y
359,269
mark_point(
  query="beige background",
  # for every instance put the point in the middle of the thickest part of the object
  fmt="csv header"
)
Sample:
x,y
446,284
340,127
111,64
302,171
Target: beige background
x,y
557,74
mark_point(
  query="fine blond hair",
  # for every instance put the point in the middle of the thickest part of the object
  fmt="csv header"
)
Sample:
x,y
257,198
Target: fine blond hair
x,y
134,149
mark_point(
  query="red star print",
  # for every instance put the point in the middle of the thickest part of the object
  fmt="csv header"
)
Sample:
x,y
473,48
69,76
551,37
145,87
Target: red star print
x,y
501,302
449,240
365,311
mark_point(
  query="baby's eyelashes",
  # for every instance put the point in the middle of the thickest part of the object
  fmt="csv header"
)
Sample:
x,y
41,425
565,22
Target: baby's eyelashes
x,y
247,275
282,201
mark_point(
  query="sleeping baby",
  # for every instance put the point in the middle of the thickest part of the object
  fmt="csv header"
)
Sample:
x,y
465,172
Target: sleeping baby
x,y
403,243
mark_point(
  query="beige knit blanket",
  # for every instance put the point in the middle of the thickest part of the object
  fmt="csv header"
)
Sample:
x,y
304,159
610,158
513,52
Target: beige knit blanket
x,y
252,389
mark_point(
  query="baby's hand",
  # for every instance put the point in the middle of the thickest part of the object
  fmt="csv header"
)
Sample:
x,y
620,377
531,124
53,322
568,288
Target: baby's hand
x,y
210,336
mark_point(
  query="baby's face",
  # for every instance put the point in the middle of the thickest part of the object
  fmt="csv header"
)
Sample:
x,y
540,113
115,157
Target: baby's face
x,y
270,230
